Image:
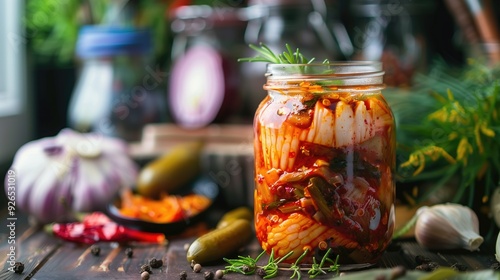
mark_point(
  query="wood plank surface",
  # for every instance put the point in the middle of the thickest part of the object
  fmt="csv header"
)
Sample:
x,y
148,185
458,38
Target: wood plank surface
x,y
47,257
34,248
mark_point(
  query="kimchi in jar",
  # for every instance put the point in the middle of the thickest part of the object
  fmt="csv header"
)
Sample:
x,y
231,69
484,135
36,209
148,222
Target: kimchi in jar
x,y
324,162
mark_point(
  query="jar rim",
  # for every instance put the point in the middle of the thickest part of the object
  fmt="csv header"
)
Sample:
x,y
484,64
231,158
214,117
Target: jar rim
x,y
331,68
349,72
336,62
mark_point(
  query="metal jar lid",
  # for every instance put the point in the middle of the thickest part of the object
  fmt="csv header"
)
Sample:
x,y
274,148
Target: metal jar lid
x,y
100,41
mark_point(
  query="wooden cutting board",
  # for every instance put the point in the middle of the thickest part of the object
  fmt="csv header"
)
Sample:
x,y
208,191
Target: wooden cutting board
x,y
159,138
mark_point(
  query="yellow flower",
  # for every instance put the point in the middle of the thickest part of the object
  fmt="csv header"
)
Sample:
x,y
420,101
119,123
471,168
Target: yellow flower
x,y
440,115
452,112
486,130
450,95
481,128
418,158
453,136
441,152
464,149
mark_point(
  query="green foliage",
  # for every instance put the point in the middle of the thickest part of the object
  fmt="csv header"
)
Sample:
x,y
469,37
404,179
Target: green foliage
x,y
449,127
52,25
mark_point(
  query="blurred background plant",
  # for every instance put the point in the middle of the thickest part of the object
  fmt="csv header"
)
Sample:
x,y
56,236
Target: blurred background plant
x,y
53,25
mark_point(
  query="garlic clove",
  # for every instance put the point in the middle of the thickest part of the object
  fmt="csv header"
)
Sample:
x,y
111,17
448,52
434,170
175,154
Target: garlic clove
x,y
448,226
497,248
495,206
88,150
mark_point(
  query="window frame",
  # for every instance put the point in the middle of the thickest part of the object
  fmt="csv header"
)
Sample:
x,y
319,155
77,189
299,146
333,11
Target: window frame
x,y
16,123
13,41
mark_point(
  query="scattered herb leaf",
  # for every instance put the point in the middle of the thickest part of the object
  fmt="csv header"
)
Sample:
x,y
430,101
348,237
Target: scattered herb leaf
x,y
316,268
237,265
296,268
248,265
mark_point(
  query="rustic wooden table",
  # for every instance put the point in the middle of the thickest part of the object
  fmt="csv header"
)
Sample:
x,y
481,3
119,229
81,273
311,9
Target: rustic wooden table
x,y
47,257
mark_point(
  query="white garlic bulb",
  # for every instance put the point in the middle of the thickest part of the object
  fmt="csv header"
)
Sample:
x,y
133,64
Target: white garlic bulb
x,y
448,226
70,172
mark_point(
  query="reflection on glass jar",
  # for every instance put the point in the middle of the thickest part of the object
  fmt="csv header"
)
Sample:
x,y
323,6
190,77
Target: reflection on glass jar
x,y
393,32
324,161
118,91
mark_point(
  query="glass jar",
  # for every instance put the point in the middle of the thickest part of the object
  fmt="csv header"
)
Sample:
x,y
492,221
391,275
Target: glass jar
x,y
395,33
324,161
204,49
118,90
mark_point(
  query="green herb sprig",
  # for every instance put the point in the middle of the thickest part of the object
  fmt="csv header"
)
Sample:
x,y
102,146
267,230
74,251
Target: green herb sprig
x,y
243,265
296,268
317,269
267,55
248,265
295,58
271,268
287,57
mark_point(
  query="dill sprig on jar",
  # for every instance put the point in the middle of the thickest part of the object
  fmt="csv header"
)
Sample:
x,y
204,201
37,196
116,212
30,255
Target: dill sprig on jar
x,y
448,129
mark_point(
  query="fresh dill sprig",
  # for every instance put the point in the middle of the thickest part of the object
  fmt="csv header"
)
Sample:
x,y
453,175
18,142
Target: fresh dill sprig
x,y
248,265
295,58
267,55
296,268
271,268
318,269
243,265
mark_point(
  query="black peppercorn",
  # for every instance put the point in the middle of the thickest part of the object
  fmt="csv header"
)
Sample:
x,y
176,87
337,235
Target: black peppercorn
x,y
129,252
146,267
95,250
208,275
155,263
18,267
183,275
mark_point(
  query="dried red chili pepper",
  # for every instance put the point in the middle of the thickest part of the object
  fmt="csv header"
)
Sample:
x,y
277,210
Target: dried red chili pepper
x,y
97,227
